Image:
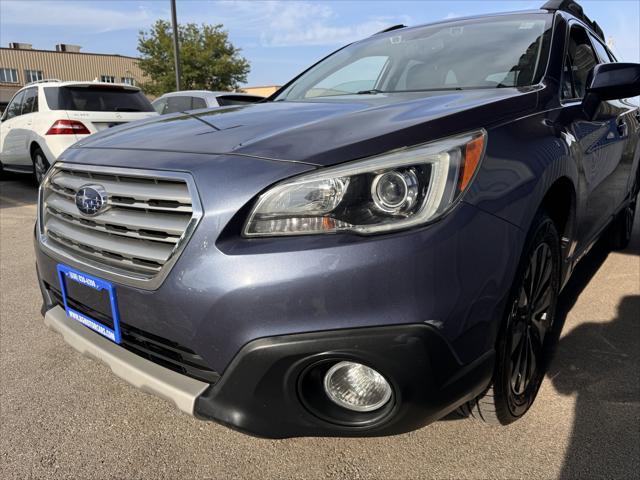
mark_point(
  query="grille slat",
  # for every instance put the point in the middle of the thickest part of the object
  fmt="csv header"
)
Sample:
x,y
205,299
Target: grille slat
x,y
161,353
169,223
127,247
166,191
126,202
136,205
114,228
106,258
142,229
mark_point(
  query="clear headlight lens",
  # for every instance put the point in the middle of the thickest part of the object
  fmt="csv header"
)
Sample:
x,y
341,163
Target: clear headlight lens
x,y
397,190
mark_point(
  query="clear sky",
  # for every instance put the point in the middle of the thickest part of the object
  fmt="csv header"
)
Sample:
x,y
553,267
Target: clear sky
x,y
279,38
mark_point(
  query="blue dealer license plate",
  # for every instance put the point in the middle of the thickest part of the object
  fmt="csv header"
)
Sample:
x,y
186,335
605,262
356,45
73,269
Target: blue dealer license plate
x,y
95,297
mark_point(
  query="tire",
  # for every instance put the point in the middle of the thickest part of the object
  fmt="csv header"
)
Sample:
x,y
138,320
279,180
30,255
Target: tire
x,y
525,338
620,230
40,165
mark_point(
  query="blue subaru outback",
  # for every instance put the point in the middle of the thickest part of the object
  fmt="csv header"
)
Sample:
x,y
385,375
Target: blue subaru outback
x,y
379,243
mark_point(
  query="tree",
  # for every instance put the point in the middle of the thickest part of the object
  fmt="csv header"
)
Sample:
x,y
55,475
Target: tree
x,y
208,60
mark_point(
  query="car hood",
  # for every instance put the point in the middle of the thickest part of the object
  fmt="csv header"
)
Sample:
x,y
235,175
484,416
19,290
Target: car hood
x,y
323,131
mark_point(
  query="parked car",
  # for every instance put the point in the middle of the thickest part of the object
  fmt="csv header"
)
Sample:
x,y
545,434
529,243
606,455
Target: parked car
x,y
186,100
46,117
380,243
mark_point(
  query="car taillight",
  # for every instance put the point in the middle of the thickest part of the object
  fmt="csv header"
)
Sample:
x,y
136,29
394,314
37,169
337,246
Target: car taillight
x,y
68,127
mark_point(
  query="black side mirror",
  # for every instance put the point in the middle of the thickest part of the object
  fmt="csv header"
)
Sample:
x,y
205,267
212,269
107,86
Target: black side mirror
x,y
611,81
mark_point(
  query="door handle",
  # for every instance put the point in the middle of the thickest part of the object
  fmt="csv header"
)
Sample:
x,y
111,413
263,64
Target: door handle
x,y
623,128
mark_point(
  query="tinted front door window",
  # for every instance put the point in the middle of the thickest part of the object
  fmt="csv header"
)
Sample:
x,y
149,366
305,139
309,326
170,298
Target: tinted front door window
x,y
15,107
581,59
601,50
30,100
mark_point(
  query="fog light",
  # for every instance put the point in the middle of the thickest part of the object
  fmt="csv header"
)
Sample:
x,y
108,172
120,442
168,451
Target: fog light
x,y
356,387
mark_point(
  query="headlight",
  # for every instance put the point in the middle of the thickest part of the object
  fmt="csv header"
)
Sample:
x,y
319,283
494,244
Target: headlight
x,y
397,190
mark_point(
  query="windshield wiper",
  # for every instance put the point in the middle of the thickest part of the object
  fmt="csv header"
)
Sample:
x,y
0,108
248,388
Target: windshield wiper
x,y
126,109
197,117
373,91
443,89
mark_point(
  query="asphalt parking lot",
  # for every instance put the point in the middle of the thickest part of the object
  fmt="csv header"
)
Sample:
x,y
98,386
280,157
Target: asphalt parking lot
x,y
65,416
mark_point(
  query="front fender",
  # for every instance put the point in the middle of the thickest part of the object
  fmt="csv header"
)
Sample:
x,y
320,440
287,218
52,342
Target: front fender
x,y
523,160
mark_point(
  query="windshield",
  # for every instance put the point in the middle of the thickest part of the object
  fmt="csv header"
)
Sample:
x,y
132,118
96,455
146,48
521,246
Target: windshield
x,y
97,99
509,51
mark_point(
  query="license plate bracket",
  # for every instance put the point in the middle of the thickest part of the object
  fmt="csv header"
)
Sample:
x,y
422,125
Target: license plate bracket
x,y
68,274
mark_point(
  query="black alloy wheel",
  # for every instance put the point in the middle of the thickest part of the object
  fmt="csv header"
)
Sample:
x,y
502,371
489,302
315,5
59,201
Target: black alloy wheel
x,y
529,324
525,339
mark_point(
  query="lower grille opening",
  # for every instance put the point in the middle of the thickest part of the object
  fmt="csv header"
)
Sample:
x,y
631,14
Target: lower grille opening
x,y
157,349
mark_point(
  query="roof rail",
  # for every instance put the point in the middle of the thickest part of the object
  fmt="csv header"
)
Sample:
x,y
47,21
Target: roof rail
x,y
572,7
389,29
46,80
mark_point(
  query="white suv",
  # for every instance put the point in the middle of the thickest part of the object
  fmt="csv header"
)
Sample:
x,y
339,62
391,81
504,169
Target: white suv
x,y
46,117
186,100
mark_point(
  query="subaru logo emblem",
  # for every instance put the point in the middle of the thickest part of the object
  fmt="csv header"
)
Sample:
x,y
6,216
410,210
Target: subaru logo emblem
x,y
91,199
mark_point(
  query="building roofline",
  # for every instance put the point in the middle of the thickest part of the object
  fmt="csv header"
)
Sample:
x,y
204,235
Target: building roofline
x,y
69,53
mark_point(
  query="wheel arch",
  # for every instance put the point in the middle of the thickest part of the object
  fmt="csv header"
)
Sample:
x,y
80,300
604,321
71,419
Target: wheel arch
x,y
559,203
32,148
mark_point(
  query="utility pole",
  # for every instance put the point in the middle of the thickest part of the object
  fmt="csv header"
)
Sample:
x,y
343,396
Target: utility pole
x,y
176,47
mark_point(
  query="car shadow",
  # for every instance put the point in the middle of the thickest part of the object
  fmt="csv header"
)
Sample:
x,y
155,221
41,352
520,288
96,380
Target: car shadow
x,y
17,190
599,363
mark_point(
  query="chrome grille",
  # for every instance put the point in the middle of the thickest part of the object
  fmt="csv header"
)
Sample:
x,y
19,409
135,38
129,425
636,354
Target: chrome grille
x,y
149,217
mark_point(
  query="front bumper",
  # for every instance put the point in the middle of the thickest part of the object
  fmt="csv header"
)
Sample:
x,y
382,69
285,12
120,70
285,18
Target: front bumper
x,y
266,391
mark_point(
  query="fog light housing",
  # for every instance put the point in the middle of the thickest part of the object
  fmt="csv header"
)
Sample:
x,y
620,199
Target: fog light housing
x,y
356,387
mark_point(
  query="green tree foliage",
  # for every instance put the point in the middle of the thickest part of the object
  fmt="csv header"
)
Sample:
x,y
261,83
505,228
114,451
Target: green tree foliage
x,y
207,58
